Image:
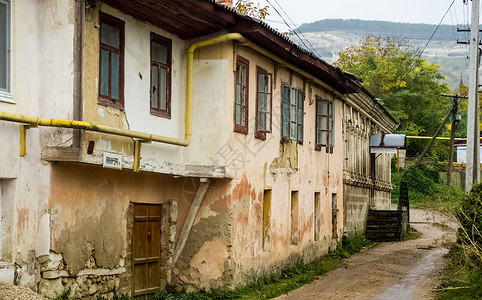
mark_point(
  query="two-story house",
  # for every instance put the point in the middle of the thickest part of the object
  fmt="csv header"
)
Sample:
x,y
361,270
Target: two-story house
x,y
152,142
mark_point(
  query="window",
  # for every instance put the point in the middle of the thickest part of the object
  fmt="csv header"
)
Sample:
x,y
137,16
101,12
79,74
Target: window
x,y
266,219
4,46
292,114
241,97
161,49
111,91
324,124
294,217
263,103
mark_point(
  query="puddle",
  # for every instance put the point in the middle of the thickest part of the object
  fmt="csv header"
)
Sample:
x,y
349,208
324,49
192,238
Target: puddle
x,y
406,288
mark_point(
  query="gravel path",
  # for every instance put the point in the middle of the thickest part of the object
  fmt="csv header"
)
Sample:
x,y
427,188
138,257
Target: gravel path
x,y
398,270
12,292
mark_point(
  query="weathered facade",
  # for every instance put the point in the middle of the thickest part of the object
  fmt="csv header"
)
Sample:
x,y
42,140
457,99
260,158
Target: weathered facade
x,y
231,142
366,176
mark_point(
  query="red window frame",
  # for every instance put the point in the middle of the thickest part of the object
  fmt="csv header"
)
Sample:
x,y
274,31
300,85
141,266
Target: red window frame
x,y
165,113
261,134
241,63
108,100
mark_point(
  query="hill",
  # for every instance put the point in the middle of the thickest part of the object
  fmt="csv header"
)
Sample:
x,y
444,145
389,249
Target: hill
x,y
330,36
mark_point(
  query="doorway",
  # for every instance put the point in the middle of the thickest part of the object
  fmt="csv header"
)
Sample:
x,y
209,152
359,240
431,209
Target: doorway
x,y
146,249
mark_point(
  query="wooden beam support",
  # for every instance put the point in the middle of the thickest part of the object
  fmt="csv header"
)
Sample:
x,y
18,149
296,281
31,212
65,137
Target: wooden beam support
x,y
186,229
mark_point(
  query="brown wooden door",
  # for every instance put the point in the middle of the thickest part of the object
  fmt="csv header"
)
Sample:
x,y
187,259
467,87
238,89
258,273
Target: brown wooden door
x,y
146,249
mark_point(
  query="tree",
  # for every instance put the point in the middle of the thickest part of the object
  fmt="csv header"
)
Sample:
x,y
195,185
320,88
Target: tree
x,y
408,86
247,7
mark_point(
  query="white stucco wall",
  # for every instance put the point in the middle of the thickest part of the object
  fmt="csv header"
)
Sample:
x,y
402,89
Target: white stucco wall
x,y
41,86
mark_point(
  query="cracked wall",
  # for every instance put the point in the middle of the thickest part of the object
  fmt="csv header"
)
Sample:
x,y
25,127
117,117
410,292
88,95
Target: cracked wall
x,y
91,226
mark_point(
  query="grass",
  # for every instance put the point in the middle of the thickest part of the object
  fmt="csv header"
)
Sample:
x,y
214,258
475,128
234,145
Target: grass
x,y
429,247
278,284
412,234
463,273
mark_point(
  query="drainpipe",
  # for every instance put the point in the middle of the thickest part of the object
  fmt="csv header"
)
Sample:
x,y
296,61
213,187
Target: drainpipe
x,y
78,45
140,136
146,137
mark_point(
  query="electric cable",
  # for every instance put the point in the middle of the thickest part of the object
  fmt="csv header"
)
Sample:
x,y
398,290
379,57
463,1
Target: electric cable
x,y
430,39
293,31
293,23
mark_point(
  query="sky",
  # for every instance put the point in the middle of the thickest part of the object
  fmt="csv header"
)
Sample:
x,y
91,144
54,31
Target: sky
x,y
410,11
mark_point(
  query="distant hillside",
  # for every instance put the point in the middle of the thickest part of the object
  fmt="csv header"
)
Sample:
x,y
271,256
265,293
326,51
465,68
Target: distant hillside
x,y
409,30
331,36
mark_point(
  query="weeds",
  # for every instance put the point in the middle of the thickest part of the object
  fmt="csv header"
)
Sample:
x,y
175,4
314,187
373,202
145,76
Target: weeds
x,y
277,284
464,271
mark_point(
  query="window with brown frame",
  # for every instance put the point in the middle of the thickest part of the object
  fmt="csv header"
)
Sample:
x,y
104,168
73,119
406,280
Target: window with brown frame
x,y
111,70
263,103
292,114
161,50
5,46
324,124
241,96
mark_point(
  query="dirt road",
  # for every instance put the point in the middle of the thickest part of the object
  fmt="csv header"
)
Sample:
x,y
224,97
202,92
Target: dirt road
x,y
399,270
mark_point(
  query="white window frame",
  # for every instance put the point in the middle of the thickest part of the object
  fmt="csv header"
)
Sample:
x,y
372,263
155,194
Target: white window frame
x,y
6,94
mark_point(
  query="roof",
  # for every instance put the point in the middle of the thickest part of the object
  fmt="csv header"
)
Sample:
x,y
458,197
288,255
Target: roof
x,y
191,19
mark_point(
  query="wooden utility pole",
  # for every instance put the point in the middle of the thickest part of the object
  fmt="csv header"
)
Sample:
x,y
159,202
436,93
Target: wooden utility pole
x,y
455,121
473,131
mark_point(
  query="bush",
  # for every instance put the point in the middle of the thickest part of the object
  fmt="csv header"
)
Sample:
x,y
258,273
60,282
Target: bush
x,y
470,217
423,182
464,271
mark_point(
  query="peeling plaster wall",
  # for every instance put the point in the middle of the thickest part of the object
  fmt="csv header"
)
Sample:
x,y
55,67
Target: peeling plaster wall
x,y
210,67
361,191
41,86
91,217
225,247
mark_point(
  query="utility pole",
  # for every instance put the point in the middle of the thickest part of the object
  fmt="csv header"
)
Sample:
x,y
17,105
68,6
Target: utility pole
x,y
472,175
455,121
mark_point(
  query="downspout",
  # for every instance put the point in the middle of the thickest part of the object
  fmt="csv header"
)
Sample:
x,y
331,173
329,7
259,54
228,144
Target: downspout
x,y
146,137
189,74
140,136
78,45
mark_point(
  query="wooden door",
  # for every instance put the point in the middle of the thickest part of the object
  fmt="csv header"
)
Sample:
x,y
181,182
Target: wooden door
x,y
146,249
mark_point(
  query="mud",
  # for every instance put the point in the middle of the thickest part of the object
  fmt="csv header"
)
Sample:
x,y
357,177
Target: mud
x,y
398,270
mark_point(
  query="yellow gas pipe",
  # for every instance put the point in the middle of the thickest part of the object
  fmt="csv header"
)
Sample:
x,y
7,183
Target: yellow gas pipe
x,y
140,137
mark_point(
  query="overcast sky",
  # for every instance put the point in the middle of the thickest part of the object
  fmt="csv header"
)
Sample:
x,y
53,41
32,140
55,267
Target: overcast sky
x,y
410,11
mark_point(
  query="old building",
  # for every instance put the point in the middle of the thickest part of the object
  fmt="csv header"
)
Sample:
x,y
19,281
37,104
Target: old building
x,y
207,149
366,175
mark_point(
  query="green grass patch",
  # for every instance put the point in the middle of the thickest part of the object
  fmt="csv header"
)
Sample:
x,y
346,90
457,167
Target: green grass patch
x,y
463,278
412,234
429,247
426,189
277,284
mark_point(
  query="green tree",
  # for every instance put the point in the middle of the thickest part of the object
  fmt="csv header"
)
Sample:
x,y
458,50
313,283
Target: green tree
x,y
249,8
410,87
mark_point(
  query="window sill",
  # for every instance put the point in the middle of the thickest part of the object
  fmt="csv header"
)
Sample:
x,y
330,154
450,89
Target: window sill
x,y
7,98
161,113
242,130
261,135
110,103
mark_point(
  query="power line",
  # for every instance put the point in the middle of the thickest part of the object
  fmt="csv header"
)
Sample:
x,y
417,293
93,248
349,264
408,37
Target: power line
x,y
423,49
293,31
312,47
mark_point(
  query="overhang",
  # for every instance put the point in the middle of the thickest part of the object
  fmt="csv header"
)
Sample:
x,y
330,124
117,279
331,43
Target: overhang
x,y
192,19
